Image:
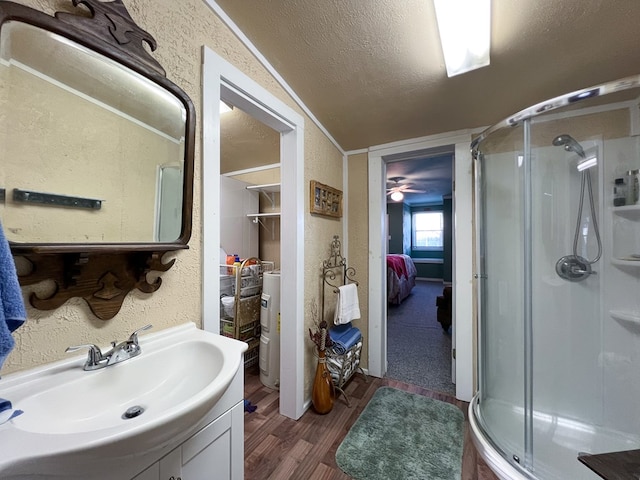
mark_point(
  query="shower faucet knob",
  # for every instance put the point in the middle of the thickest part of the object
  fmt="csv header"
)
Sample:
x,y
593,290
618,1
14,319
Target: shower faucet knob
x,y
573,268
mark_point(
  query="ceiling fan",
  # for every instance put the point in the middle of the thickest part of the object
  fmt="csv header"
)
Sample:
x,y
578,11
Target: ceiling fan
x,y
395,187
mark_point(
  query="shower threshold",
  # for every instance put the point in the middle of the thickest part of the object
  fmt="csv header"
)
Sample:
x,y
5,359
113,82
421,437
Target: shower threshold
x,y
557,442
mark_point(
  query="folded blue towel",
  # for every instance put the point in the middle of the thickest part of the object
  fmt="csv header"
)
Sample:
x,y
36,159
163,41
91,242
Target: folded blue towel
x,y
12,311
344,339
338,330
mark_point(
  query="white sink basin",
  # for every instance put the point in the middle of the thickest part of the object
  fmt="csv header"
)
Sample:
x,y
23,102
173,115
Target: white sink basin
x,y
73,415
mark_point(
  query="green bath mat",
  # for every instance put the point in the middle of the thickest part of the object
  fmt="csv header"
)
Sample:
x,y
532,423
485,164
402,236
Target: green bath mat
x,y
400,435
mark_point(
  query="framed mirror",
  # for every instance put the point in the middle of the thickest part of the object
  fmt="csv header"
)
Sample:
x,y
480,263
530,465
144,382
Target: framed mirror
x,y
97,144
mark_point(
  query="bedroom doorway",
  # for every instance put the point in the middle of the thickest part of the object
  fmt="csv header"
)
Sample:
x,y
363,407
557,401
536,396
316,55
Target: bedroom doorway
x,y
419,262
463,332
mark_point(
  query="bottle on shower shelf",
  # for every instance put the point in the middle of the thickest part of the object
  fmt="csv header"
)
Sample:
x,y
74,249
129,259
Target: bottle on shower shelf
x,y
619,192
633,187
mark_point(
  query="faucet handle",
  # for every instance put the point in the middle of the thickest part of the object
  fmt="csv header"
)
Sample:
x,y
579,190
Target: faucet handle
x,y
94,355
133,338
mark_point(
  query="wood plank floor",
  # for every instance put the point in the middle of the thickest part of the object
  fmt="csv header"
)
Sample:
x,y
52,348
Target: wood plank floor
x,y
278,448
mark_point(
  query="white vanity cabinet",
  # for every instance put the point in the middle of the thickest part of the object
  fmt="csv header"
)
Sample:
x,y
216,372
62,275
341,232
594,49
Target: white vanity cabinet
x,y
215,452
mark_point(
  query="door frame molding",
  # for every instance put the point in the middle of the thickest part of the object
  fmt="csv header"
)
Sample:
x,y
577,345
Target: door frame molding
x,y
221,80
462,274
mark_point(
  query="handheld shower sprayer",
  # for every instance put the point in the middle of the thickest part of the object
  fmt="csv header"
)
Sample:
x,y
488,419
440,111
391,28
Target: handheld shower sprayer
x,y
569,143
574,267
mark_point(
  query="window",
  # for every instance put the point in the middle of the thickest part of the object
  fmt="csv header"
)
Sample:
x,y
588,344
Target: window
x,y
427,231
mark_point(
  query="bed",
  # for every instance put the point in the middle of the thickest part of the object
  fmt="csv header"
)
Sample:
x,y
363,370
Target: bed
x,y
401,277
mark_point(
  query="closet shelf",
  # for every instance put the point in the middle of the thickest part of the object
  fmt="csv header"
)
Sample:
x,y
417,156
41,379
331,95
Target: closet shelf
x,y
269,190
256,216
266,188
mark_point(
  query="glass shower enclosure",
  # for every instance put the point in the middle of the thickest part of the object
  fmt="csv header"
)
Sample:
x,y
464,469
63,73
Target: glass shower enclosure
x,y
558,275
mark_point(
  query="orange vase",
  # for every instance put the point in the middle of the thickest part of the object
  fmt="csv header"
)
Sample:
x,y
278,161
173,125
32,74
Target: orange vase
x,y
322,394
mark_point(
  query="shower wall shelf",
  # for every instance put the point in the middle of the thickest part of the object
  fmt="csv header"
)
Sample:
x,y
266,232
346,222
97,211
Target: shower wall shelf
x,y
628,318
632,261
631,212
626,248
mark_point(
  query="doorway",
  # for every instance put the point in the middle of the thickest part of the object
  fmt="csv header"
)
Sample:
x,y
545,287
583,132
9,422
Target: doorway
x,y
222,81
249,228
419,211
462,265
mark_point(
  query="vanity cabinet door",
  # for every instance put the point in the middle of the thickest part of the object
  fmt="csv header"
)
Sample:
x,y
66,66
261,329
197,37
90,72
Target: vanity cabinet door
x,y
214,453
151,473
207,455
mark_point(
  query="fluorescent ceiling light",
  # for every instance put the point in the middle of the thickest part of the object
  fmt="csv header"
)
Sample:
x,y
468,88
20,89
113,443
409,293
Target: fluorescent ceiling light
x,y
397,196
225,107
465,33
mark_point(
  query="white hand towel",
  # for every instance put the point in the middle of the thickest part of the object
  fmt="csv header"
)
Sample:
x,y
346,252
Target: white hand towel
x,y
347,308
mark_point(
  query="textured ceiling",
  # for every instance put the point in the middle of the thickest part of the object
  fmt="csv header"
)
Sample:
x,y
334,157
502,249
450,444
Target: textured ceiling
x,y
246,143
372,71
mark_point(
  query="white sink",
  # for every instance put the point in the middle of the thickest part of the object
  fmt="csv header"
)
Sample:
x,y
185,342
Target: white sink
x,y
72,415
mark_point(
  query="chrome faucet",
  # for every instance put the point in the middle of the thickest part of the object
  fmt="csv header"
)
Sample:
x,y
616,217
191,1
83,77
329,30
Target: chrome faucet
x,y
119,351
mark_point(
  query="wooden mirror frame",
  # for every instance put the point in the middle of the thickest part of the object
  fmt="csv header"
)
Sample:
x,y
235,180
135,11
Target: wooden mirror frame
x,y
103,274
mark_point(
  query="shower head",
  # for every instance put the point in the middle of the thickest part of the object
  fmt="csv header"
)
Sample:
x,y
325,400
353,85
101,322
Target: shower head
x,y
570,144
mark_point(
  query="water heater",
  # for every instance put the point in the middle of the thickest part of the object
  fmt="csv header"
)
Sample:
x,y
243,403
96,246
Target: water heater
x,y
270,330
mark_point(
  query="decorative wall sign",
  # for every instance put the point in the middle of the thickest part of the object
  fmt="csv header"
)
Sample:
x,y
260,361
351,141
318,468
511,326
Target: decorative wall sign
x,y
325,200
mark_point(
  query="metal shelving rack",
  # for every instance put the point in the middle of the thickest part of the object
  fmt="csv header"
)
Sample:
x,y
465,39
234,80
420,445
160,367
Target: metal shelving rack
x,y
240,317
335,273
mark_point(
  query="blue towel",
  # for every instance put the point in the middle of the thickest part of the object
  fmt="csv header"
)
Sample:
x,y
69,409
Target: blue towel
x,y
12,311
248,407
338,330
344,338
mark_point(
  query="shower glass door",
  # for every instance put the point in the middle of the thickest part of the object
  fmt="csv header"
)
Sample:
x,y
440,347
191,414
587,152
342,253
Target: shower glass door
x,y
567,220
502,288
558,279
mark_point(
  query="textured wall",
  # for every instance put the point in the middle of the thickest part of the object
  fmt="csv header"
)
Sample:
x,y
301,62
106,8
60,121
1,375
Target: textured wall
x,y
326,168
181,28
395,226
358,231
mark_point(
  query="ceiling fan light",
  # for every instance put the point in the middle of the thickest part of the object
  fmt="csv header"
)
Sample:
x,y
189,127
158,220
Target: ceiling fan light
x,y
397,196
465,33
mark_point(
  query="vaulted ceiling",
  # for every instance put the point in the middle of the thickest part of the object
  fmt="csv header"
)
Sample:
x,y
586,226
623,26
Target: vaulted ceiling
x,y
372,71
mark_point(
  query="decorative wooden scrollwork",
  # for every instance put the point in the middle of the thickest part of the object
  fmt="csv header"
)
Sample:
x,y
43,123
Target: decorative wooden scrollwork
x,y
103,280
111,22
